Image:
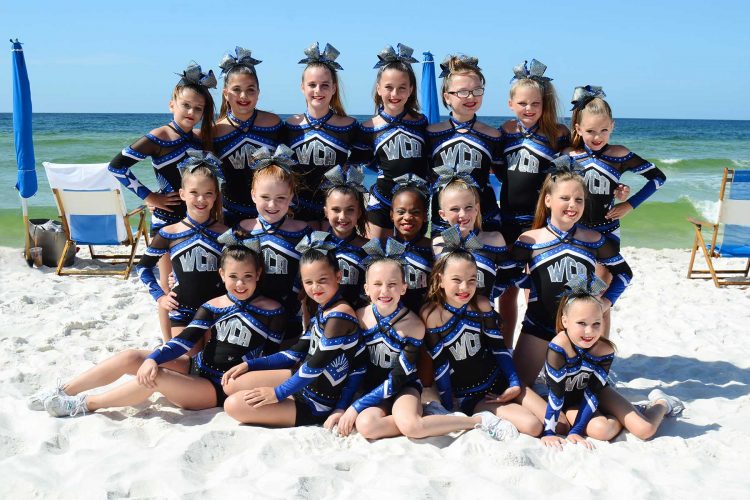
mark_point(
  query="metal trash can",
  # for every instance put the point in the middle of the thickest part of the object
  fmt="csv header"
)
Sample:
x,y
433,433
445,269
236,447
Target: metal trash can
x,y
49,235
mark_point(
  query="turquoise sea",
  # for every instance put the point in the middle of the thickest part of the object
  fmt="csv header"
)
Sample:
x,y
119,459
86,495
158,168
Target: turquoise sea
x,y
692,153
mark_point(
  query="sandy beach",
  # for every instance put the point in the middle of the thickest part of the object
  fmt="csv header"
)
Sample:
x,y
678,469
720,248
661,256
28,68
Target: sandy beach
x,y
687,337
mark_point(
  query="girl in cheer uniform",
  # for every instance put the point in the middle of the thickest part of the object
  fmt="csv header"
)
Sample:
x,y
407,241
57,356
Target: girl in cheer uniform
x,y
241,325
330,353
462,141
323,135
167,146
240,130
395,137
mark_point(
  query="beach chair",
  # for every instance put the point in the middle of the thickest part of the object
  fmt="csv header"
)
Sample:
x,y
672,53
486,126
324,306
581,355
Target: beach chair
x,y
730,235
92,211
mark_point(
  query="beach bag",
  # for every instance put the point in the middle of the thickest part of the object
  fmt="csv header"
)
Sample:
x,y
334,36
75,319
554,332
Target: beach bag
x,y
49,235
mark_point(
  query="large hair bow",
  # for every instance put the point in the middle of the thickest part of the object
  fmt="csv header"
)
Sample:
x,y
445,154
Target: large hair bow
x,y
194,76
452,241
411,180
446,175
338,177
389,55
228,238
534,71
392,249
241,58
327,57
581,285
564,164
445,66
317,240
196,158
283,158
583,95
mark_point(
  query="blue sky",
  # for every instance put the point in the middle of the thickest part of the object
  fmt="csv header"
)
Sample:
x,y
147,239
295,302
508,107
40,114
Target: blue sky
x,y
665,59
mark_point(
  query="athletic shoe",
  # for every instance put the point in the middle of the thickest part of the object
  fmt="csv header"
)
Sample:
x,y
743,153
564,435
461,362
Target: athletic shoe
x,y
674,405
66,406
36,402
496,427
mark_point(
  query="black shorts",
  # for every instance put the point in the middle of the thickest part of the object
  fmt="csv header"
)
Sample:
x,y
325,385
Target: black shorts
x,y
512,230
196,371
498,386
537,331
305,415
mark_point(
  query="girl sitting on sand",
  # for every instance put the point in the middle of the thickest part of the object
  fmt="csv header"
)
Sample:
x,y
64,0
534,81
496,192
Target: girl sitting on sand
x,y
395,138
554,251
190,245
346,221
323,135
391,404
167,146
462,141
240,129
577,364
471,361
271,394
242,324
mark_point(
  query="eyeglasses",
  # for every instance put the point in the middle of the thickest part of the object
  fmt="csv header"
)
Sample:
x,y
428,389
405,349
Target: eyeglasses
x,y
466,93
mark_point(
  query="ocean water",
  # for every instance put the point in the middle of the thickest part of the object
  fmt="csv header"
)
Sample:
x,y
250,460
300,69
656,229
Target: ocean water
x,y
692,153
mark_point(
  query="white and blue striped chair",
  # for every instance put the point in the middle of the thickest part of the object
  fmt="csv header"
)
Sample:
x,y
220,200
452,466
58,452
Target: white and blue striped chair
x,y
93,213
730,236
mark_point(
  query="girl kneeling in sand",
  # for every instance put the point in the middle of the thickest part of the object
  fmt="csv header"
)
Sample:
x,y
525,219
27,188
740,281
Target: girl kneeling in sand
x,y
242,325
576,368
471,361
330,353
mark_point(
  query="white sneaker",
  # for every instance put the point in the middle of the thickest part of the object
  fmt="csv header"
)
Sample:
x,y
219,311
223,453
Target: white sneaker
x,y
66,406
36,402
674,405
496,427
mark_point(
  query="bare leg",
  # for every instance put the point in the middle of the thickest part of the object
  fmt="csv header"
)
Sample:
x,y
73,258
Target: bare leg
x,y
524,420
187,392
111,369
528,357
606,276
375,423
601,427
165,268
281,414
407,413
642,426
509,313
378,232
260,378
538,406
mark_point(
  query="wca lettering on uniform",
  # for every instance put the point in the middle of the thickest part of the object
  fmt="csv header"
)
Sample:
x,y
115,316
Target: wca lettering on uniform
x,y
596,182
239,159
467,345
382,356
402,146
461,155
415,278
321,154
565,269
349,273
234,332
580,381
274,263
199,259
522,161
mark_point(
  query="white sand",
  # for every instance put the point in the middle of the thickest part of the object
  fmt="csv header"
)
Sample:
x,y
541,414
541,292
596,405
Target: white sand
x,y
685,336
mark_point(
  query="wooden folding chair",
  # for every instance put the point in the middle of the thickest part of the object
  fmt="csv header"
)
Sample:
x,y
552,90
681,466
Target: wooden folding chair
x,y
730,235
93,213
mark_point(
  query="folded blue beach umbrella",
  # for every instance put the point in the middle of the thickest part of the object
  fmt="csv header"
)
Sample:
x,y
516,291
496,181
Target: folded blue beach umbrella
x,y
428,94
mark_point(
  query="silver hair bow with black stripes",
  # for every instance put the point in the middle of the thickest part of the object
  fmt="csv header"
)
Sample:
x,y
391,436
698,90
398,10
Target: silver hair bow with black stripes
x,y
196,158
534,71
453,241
446,175
228,238
468,60
194,76
392,249
317,240
581,285
564,164
283,158
411,180
242,57
583,95
352,178
327,57
389,55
